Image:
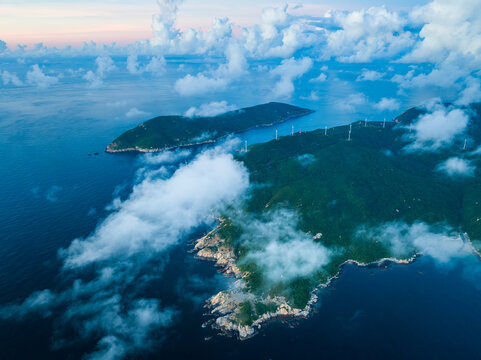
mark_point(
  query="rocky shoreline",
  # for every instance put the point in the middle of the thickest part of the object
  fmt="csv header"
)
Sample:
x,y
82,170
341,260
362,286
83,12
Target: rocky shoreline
x,y
137,149
225,306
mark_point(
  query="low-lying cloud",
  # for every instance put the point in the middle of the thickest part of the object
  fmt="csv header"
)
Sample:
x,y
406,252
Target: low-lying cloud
x,y
111,307
211,109
280,249
457,167
441,242
437,129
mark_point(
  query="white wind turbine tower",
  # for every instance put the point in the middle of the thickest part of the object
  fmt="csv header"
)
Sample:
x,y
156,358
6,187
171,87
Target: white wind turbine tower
x,y
325,131
465,144
246,146
365,122
276,134
292,130
350,130
384,124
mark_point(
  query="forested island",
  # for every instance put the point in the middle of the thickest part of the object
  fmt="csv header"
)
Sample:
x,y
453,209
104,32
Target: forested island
x,y
167,132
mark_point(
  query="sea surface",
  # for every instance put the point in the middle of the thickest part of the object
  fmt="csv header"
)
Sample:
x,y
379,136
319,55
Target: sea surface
x,y
52,191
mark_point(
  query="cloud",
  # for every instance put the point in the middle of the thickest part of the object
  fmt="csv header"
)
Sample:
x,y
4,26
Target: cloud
x,y
447,28
3,46
437,129
445,75
321,78
456,167
387,104
370,75
12,78
211,109
219,79
171,40
288,71
367,35
281,250
278,35
105,301
134,112
306,159
36,77
471,93
104,65
440,242
156,66
352,102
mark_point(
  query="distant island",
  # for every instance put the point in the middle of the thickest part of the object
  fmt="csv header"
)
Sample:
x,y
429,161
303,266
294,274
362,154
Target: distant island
x,y
167,132
340,189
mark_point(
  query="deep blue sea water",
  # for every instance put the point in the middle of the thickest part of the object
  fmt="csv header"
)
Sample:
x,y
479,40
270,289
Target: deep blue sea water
x,y
52,191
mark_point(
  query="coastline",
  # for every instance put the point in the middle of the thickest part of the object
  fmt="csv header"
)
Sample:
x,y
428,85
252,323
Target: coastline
x,y
137,149
224,306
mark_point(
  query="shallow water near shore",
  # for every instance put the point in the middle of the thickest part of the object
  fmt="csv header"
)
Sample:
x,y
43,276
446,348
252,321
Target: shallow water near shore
x,y
52,192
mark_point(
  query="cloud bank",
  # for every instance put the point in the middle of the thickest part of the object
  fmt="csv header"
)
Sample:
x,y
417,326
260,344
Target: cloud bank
x,y
164,208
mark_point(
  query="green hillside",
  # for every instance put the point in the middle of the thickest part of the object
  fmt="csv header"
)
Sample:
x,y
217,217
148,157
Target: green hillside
x,y
347,184
171,131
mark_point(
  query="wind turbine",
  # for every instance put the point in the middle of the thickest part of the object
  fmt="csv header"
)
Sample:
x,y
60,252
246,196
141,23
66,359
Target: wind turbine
x,y
350,130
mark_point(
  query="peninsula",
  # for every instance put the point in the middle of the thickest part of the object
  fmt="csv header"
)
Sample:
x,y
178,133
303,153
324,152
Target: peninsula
x,y
341,193
167,132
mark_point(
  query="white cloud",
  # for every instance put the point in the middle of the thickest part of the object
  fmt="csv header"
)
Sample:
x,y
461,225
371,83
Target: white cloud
x,y
471,93
37,77
448,27
278,35
281,250
370,75
219,79
440,242
104,65
8,78
306,159
157,65
321,78
134,112
211,109
352,102
445,75
288,71
387,104
367,35
456,167
437,129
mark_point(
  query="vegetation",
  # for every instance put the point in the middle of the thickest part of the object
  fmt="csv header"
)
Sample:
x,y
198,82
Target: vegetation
x,y
174,131
364,182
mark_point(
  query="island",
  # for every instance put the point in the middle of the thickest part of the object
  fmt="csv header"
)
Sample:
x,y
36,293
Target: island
x,y
341,189
168,132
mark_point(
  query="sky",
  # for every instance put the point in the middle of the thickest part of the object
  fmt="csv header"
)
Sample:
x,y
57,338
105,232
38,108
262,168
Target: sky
x,y
59,23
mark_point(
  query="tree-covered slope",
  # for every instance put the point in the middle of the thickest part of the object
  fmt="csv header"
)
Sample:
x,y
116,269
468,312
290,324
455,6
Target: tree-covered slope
x,y
338,186
172,131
